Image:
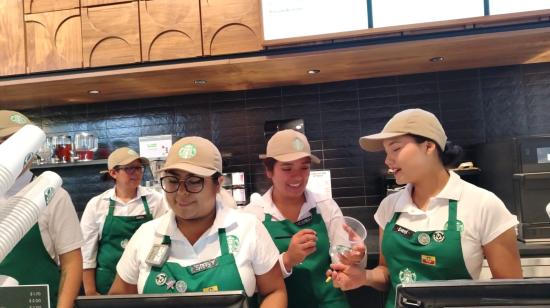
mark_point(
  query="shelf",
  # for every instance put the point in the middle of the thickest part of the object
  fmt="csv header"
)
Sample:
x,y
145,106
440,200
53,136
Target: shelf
x,y
66,165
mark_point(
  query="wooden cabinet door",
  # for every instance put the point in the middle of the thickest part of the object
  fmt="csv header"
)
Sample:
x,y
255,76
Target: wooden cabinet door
x,y
40,6
230,26
54,40
110,34
170,29
12,38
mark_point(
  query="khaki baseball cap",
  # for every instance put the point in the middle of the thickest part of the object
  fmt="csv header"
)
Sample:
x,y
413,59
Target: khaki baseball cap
x,y
411,121
124,156
11,121
289,145
195,155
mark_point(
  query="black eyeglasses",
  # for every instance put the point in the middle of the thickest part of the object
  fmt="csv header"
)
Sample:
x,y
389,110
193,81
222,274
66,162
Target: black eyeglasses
x,y
192,184
131,170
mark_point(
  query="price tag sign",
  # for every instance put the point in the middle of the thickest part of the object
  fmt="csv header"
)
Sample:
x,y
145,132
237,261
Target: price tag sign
x,y
28,296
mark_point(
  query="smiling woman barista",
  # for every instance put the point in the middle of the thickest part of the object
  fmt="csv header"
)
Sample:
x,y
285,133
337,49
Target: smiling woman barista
x,y
302,223
202,244
111,218
439,227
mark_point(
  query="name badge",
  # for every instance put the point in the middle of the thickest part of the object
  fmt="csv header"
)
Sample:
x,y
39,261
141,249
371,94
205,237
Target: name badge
x,y
203,266
158,255
403,231
140,217
304,221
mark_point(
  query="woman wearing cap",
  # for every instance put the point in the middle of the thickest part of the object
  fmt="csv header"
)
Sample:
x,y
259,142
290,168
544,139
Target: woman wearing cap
x,y
302,223
202,244
111,218
439,227
49,253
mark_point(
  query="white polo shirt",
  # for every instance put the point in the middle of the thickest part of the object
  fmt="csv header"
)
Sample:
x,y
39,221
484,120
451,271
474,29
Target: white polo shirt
x,y
482,213
93,218
255,252
58,223
326,207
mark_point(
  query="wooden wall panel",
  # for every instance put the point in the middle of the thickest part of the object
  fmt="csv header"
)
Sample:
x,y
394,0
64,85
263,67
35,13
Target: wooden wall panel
x,y
54,40
170,29
12,38
39,6
230,26
110,34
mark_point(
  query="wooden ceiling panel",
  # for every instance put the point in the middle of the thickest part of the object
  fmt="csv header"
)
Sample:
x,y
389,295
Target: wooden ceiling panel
x,y
461,52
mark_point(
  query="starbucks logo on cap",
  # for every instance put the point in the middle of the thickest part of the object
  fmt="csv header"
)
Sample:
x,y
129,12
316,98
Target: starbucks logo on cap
x,y
17,118
187,151
297,144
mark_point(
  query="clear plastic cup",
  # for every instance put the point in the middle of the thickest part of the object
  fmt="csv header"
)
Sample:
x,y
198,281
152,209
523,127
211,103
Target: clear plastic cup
x,y
359,235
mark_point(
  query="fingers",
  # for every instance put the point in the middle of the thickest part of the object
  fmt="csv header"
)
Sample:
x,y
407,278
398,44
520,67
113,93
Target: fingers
x,y
306,232
339,267
352,235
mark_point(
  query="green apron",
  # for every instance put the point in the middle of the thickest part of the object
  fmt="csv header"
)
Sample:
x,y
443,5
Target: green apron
x,y
219,274
31,252
423,255
306,287
117,230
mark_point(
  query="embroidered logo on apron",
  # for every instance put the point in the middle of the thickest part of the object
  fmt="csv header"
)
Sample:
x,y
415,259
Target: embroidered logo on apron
x,y
160,280
428,260
423,239
211,289
438,236
407,276
233,243
203,266
181,286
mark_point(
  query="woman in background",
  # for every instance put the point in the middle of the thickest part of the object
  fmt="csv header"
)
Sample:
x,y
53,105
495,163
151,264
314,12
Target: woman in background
x,y
111,218
302,224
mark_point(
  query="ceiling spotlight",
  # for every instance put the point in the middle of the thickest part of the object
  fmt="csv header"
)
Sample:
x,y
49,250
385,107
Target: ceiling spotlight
x,y
437,59
94,92
199,81
313,72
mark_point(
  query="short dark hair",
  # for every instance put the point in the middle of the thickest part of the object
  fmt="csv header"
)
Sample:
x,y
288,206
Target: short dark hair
x,y
269,163
449,157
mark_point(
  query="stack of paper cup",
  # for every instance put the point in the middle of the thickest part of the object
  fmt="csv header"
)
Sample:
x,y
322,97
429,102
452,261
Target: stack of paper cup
x,y
21,212
16,152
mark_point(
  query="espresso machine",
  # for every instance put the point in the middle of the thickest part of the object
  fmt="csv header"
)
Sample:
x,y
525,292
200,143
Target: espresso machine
x,y
517,170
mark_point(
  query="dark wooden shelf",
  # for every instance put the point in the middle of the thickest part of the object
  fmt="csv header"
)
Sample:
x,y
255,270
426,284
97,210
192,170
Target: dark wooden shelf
x,y
67,165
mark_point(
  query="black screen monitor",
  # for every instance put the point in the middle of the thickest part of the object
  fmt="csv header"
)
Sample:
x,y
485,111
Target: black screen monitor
x,y
474,293
225,299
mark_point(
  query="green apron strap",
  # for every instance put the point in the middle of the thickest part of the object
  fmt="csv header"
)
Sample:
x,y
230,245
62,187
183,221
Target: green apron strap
x,y
451,225
267,217
395,217
223,242
111,207
145,205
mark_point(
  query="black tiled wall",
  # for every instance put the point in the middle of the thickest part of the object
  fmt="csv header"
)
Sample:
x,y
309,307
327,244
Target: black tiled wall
x,y
474,106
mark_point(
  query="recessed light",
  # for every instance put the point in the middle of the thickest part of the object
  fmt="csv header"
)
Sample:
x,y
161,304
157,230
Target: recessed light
x,y
199,81
94,92
437,59
313,71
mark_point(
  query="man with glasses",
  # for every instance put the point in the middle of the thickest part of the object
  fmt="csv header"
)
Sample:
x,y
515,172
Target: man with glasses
x,y
201,244
111,218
